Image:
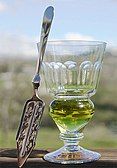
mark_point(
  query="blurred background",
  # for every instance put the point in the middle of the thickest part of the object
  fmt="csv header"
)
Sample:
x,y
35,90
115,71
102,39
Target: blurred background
x,y
19,32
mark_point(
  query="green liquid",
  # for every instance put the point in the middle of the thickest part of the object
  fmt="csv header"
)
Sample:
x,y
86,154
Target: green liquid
x,y
71,114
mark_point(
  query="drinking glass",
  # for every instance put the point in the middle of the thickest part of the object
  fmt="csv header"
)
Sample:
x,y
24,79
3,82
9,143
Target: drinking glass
x,y
71,73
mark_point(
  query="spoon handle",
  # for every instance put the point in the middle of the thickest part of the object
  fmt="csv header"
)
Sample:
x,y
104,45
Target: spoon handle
x,y
46,25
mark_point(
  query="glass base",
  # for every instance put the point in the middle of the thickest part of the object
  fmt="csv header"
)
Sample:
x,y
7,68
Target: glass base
x,y
63,156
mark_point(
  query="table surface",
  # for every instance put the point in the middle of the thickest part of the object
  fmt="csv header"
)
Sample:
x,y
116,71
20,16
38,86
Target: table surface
x,y
8,158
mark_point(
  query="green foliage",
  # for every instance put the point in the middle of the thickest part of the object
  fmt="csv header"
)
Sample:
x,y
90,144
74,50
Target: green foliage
x,y
16,88
48,138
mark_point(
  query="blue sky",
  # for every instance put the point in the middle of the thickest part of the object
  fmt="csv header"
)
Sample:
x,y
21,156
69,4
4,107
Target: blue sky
x,y
20,22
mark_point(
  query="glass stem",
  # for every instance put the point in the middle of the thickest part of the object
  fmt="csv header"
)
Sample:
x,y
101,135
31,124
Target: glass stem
x,y
71,141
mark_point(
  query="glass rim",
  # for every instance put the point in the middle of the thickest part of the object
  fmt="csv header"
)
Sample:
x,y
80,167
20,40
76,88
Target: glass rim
x,y
75,42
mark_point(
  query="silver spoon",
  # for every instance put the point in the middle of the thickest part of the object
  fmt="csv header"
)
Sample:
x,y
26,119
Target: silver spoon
x,y
34,107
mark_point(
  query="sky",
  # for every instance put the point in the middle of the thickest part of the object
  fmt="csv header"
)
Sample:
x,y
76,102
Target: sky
x,y
20,23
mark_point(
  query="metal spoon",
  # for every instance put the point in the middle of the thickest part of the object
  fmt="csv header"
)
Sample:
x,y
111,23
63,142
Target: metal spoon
x,y
34,107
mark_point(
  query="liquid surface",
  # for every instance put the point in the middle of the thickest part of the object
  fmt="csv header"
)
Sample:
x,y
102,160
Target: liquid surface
x,y
73,90
71,114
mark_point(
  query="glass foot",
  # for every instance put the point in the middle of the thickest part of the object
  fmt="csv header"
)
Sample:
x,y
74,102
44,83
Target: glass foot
x,y
63,156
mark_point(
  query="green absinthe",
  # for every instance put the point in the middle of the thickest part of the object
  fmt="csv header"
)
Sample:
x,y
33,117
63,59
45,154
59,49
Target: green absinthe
x,y
71,114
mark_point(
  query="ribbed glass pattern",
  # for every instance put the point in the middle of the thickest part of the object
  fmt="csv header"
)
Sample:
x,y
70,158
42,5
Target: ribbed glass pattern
x,y
72,67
